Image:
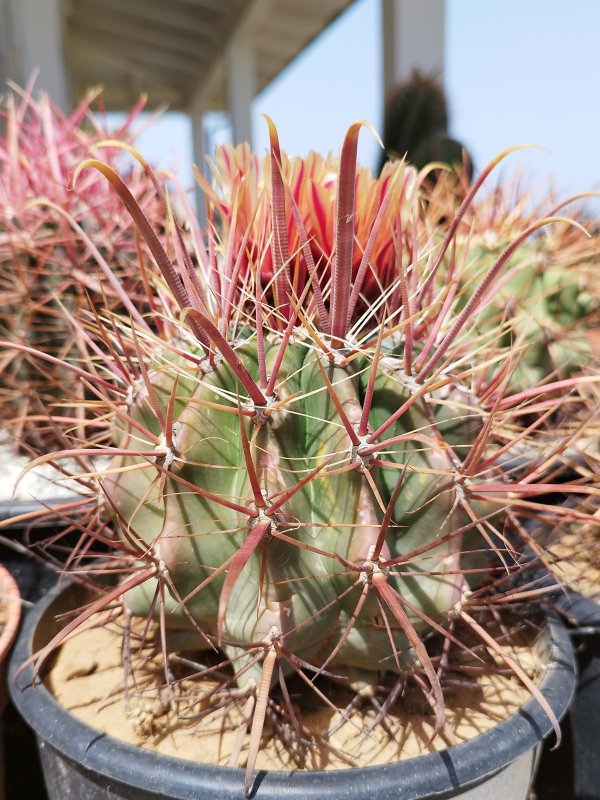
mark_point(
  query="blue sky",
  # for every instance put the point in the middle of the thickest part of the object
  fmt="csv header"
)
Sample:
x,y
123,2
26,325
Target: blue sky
x,y
514,72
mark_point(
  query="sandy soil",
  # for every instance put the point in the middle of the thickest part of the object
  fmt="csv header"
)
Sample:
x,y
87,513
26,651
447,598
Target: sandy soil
x,y
87,677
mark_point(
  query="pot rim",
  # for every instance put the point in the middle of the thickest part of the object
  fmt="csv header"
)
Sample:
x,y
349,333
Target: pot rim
x,y
440,774
583,611
36,513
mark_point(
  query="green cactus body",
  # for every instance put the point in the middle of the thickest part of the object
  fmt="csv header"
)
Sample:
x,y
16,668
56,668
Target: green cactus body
x,y
307,584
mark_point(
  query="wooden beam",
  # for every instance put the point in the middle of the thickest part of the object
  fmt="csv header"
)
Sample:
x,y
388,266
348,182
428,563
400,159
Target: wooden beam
x,y
251,15
136,56
213,6
123,95
124,80
112,30
166,15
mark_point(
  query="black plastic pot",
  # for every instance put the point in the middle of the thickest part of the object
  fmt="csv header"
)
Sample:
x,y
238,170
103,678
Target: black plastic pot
x,y
573,772
22,508
582,612
80,762
36,513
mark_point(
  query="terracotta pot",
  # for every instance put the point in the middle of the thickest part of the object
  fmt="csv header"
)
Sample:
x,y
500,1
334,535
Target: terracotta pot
x,y
10,601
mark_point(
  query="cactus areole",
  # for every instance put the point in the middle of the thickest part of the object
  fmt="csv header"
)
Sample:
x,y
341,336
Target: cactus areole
x,y
303,471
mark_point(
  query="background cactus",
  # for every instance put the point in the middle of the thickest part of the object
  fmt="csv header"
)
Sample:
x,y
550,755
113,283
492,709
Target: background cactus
x,y
548,300
416,126
305,474
54,246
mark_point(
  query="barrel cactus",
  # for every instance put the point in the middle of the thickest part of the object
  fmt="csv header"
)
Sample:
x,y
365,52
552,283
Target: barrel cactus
x,y
416,125
55,244
547,302
305,475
